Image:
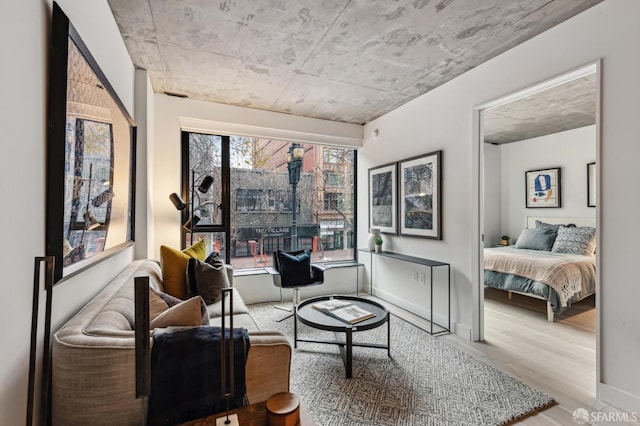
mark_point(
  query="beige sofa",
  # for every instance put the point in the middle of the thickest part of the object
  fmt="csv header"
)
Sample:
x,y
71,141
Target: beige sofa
x,y
93,355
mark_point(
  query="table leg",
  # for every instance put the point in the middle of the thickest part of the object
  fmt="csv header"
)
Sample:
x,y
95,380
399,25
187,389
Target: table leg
x,y
389,334
349,349
295,329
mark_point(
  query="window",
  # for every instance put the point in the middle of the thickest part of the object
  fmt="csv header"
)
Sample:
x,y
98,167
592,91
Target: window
x,y
256,217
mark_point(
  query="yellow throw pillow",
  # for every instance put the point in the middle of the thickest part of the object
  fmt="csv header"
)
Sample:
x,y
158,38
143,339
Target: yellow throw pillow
x,y
197,251
174,267
184,314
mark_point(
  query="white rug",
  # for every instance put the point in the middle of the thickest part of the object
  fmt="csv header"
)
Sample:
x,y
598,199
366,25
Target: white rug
x,y
425,382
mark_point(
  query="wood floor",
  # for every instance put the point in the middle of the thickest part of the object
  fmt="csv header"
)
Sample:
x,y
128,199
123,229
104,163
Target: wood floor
x,y
557,358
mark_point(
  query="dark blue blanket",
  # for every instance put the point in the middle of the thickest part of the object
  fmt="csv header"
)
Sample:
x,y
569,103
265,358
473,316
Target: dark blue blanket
x,y
185,373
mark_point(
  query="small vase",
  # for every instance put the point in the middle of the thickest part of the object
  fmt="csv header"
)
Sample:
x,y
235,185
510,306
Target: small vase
x,y
378,248
371,241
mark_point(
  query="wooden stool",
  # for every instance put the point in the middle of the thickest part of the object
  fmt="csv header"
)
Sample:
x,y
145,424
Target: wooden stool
x,y
283,409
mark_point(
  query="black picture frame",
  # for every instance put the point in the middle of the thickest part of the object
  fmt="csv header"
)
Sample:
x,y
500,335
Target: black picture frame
x,y
591,184
543,188
79,90
420,196
383,210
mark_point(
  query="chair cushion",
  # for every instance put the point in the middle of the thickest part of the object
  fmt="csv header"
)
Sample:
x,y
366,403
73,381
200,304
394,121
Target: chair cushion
x,y
295,269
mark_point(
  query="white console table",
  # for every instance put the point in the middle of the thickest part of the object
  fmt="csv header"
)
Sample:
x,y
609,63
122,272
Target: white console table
x,y
431,264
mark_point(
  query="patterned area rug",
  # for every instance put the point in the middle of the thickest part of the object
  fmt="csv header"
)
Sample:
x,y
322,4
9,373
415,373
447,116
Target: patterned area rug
x,y
425,382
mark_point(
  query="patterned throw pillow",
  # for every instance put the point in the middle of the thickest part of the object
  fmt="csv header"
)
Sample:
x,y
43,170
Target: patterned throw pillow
x,y
575,240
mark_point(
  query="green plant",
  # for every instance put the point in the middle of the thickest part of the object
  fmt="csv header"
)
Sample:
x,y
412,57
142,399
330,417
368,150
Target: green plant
x,y
504,237
378,240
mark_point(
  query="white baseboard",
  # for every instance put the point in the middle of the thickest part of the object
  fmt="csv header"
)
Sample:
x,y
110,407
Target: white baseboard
x,y
413,308
618,398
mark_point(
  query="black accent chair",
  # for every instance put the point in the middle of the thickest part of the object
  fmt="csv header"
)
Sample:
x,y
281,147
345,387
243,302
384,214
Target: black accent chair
x,y
294,270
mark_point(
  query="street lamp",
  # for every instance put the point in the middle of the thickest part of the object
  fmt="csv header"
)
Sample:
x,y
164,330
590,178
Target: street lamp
x,y
294,164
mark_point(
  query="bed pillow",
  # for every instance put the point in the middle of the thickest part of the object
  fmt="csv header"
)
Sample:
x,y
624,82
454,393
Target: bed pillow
x,y
536,239
575,240
544,225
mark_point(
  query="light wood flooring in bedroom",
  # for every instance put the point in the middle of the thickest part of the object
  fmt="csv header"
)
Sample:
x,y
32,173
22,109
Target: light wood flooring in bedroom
x,y
557,358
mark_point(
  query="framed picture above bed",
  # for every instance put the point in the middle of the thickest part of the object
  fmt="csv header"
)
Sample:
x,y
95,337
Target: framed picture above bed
x,y
591,185
382,198
542,188
420,195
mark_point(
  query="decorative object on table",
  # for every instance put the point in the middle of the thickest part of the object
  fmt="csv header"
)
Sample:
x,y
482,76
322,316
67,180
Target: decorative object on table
x,y
378,242
87,124
192,219
351,314
383,199
371,240
420,197
504,240
542,188
591,185
283,409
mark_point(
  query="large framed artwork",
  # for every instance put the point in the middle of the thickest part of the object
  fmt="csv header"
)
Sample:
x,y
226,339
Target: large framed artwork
x,y
420,196
382,198
542,188
591,185
90,158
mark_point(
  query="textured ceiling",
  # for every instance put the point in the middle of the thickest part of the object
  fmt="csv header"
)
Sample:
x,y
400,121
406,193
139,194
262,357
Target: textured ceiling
x,y
564,107
343,60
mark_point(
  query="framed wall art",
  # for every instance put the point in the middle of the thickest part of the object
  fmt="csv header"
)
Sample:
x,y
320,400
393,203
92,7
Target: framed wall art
x,y
542,188
591,185
420,196
382,198
90,158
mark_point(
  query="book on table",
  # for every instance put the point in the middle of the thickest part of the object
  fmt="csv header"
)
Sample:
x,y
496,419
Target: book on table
x,y
351,314
330,304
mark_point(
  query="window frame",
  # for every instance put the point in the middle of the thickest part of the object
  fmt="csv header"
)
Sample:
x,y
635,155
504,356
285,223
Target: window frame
x,y
225,226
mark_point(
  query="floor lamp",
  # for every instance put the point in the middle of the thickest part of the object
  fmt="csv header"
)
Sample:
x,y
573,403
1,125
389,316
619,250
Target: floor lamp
x,y
179,203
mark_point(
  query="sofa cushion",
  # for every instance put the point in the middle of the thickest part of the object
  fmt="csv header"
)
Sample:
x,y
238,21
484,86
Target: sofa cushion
x,y
239,307
239,321
174,267
191,312
207,278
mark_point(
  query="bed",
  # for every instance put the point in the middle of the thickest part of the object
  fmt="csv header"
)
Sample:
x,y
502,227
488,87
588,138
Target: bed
x,y
553,260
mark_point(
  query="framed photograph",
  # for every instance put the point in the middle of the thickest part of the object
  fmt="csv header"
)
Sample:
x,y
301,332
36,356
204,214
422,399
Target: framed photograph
x,y
591,185
542,188
420,199
382,198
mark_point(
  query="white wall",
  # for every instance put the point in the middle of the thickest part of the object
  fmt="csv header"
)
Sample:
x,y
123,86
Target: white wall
x,y
24,29
492,180
444,119
570,150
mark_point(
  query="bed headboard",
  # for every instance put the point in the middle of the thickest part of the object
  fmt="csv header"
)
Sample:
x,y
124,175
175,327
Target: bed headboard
x,y
530,221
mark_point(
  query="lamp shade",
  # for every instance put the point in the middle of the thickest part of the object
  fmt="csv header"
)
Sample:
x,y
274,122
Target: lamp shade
x,y
177,201
205,184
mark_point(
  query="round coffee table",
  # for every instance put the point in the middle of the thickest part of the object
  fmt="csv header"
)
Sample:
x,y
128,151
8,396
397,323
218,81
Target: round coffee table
x,y
308,315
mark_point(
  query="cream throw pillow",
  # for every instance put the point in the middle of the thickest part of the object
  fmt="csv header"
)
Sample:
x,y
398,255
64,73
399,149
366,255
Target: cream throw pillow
x,y
186,313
